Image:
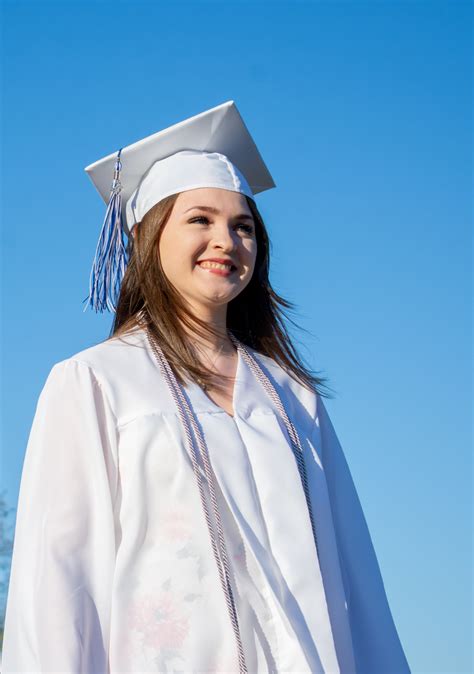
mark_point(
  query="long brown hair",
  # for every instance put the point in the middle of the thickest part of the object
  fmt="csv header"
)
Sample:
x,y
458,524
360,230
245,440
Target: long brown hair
x,y
255,317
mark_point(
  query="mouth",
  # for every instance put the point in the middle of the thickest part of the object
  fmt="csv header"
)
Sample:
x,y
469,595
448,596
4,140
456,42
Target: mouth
x,y
217,268
210,265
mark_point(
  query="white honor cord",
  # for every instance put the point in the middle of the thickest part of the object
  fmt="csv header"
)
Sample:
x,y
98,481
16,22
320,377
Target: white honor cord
x,y
188,418
292,432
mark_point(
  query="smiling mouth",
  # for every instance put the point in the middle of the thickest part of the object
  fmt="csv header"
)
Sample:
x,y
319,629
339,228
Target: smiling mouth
x,y
217,265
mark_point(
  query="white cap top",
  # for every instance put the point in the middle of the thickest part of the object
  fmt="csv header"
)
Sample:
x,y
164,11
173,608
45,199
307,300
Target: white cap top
x,y
212,149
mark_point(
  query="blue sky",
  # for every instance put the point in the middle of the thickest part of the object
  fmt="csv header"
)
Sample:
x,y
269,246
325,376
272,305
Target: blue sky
x,y
362,112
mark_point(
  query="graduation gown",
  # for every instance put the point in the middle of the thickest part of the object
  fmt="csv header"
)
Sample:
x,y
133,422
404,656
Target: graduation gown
x,y
113,569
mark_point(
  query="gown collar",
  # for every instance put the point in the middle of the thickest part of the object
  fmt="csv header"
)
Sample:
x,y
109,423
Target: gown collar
x,y
249,396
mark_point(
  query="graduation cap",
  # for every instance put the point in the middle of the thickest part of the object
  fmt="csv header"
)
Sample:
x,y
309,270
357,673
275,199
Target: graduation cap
x,y
211,149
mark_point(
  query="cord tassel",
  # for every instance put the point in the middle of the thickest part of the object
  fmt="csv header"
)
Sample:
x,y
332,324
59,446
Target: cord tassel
x,y
110,261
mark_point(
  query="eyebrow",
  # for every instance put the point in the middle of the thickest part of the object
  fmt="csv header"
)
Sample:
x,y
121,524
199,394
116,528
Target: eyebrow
x,y
216,211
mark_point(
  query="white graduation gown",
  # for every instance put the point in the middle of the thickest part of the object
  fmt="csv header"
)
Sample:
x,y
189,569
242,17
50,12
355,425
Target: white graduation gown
x,y
112,567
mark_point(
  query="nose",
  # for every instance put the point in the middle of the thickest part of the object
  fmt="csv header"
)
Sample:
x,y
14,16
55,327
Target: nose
x,y
224,237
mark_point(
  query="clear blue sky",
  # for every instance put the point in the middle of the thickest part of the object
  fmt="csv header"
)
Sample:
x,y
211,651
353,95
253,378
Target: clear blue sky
x,y
362,112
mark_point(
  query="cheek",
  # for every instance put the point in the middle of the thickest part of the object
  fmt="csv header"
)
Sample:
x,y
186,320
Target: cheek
x,y
178,253
251,253
170,255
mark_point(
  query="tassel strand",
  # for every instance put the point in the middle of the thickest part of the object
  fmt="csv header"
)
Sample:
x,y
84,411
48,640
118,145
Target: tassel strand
x,y
110,261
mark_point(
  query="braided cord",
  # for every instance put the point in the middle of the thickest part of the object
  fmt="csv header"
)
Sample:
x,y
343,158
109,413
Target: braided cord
x,y
219,547
189,422
292,432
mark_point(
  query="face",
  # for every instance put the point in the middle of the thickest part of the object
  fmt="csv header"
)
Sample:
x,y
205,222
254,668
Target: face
x,y
206,224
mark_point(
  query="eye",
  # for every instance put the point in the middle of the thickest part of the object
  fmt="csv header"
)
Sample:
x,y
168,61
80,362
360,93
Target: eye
x,y
202,218
247,228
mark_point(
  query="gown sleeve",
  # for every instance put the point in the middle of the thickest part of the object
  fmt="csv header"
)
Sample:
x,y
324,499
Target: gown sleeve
x,y
59,596
377,648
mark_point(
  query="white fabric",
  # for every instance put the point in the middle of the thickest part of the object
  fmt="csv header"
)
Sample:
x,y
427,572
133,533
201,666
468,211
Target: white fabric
x,y
112,567
186,170
217,130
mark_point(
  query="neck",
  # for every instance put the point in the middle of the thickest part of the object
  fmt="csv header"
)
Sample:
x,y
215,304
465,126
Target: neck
x,y
215,318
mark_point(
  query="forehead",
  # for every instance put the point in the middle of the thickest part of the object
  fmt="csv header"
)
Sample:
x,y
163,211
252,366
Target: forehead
x,y
224,200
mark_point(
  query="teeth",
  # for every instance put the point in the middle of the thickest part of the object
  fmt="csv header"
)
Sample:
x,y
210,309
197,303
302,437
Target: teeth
x,y
215,265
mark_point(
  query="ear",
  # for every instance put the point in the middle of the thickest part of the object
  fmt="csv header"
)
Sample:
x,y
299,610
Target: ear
x,y
133,231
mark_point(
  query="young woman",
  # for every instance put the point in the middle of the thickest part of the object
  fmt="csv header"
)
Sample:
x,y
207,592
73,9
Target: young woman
x,y
185,505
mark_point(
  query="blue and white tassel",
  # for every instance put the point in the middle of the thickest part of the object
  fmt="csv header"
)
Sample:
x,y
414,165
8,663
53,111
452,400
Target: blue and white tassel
x,y
110,261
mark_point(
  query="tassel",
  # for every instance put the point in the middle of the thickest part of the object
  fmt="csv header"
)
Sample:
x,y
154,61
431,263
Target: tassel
x,y
110,261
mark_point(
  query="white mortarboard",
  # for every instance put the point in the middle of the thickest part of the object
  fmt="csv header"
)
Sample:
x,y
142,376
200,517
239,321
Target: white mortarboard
x,y
211,149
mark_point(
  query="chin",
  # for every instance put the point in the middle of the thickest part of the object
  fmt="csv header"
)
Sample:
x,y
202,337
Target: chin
x,y
222,299
221,288
218,298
